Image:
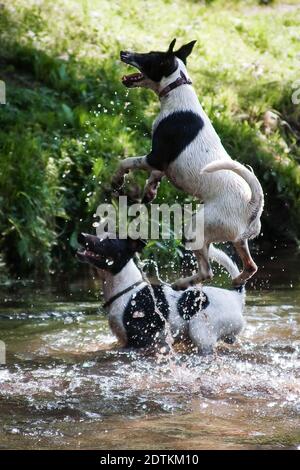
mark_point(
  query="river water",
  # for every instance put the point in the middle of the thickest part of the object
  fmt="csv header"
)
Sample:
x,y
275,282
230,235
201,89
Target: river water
x,y
66,384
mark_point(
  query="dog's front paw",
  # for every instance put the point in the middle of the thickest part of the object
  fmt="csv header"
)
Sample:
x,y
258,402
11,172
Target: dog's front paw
x,y
118,180
186,282
149,195
181,284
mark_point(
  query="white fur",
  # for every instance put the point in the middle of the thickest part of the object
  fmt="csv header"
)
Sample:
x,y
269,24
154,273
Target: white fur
x,y
226,195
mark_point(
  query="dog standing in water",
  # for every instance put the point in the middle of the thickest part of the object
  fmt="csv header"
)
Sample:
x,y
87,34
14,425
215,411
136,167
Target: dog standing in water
x,y
137,310
187,149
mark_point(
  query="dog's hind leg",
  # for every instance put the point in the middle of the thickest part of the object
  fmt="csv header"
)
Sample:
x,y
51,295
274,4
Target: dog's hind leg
x,y
204,270
198,240
150,189
249,267
127,165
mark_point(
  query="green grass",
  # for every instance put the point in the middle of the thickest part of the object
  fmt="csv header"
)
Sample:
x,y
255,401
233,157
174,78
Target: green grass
x,y
68,120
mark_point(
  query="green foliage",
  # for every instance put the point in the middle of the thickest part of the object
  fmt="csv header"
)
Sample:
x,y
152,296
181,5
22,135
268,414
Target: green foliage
x,y
68,119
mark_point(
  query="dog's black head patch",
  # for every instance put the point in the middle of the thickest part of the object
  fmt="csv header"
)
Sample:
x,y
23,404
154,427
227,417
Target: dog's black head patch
x,y
154,65
107,253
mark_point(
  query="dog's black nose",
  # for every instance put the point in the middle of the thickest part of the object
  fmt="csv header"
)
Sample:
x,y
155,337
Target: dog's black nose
x,y
124,55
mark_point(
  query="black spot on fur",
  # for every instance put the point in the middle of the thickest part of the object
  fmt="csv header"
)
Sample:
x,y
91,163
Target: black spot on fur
x,y
172,135
191,302
140,319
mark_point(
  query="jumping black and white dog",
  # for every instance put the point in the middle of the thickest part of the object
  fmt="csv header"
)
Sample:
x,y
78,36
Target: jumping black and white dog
x,y
187,149
138,310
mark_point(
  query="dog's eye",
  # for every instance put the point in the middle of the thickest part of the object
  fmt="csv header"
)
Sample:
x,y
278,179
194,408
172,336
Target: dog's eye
x,y
109,261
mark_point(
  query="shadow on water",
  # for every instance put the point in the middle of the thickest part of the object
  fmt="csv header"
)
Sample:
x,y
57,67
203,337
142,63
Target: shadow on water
x,y
67,385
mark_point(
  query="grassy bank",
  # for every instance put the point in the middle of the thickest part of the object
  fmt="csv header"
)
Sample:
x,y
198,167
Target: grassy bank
x,y
68,120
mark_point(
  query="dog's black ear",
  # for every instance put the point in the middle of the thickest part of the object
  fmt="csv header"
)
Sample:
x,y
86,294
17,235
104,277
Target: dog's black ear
x,y
185,51
171,46
137,245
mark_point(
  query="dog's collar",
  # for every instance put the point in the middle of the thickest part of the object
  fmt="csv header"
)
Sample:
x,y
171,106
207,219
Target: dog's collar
x,y
128,289
182,80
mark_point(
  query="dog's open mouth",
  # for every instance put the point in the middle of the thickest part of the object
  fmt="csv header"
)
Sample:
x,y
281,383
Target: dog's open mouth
x,y
89,251
129,80
129,58
87,255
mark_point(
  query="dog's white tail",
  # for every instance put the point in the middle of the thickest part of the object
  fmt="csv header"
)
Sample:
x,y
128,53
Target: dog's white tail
x,y
224,260
256,202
